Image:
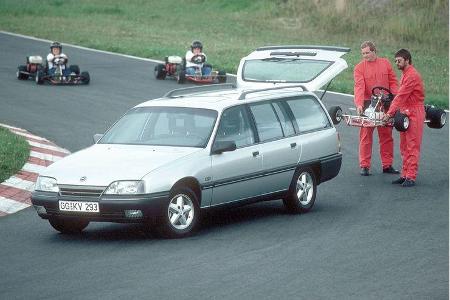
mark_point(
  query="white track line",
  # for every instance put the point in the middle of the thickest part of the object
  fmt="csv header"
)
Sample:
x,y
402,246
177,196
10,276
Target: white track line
x,y
28,135
48,147
33,168
10,206
45,156
19,183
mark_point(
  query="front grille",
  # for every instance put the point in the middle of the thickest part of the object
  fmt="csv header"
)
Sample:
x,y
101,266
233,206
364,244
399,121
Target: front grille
x,y
81,191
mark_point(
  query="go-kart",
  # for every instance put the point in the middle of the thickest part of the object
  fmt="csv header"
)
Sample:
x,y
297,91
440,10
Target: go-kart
x,y
175,67
38,70
378,105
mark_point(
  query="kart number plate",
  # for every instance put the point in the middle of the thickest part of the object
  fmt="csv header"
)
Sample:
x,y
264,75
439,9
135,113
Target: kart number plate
x,y
79,206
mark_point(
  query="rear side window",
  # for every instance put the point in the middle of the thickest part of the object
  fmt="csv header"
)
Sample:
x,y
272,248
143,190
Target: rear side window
x,y
267,122
308,114
286,123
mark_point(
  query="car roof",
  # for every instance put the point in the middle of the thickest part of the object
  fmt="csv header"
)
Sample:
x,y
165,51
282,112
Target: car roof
x,y
219,100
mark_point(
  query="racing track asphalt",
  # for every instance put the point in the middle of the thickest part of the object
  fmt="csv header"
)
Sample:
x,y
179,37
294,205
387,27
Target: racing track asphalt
x,y
364,239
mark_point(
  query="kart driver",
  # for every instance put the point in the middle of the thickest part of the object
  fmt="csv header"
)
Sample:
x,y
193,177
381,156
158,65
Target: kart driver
x,y
195,60
56,57
373,71
410,100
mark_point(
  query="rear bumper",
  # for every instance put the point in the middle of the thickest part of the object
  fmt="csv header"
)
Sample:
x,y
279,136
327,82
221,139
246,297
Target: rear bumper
x,y
330,167
112,208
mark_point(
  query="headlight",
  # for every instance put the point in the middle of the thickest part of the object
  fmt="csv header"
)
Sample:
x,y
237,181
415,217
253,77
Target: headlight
x,y
46,184
125,187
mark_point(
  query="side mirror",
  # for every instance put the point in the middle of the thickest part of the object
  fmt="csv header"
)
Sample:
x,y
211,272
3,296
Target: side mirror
x,y
223,146
97,137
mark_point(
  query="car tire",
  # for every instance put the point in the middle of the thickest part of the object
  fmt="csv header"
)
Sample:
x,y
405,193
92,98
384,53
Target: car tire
x,y
39,77
85,77
182,77
222,77
436,117
75,69
68,226
335,114
302,191
181,215
401,121
160,71
20,75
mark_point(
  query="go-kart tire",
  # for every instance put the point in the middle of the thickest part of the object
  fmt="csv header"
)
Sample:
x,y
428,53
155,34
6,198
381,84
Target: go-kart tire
x,y
302,191
401,121
160,72
181,215
75,69
85,77
39,77
68,226
436,117
335,114
19,74
222,77
181,77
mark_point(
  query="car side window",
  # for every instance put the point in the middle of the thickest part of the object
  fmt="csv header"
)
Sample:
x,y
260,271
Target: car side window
x,y
235,126
267,122
286,123
308,114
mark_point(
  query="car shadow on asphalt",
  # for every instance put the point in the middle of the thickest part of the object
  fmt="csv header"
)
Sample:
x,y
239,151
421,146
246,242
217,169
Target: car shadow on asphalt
x,y
214,222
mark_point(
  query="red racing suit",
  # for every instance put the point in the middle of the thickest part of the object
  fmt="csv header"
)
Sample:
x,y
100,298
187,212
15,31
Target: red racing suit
x,y
367,75
410,101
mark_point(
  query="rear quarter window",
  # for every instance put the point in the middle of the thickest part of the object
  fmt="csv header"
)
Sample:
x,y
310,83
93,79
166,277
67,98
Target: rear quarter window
x,y
309,114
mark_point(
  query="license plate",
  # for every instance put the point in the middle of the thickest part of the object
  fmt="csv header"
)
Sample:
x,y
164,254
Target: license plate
x,y
79,206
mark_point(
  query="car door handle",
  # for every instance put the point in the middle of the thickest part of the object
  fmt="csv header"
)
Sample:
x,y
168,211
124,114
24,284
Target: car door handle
x,y
255,153
293,145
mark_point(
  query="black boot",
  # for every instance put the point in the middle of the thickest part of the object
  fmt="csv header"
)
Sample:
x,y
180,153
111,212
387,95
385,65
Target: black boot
x,y
390,170
399,181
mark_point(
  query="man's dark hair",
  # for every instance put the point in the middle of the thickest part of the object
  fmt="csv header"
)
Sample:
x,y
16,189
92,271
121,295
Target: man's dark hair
x,y
404,54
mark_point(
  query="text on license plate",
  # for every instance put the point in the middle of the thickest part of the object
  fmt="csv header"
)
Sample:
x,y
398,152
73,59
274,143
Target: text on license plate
x,y
79,206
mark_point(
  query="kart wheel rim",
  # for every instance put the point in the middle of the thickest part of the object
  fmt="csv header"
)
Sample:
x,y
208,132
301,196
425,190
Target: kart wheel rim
x,y
443,119
304,188
339,116
406,123
181,211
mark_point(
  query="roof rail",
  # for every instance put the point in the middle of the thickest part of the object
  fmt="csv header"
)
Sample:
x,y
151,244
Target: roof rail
x,y
203,88
330,48
246,92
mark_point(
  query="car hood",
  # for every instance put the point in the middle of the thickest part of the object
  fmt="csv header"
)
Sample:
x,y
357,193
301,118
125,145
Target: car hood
x,y
102,164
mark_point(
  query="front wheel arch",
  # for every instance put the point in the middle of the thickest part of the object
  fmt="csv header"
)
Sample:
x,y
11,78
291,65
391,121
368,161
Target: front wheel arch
x,y
191,183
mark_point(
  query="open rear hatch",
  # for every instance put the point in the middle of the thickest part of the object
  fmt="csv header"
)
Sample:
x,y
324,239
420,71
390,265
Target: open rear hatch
x,y
310,66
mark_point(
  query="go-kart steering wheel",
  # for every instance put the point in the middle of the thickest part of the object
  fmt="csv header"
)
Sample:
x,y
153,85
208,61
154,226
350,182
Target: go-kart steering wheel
x,y
380,88
198,58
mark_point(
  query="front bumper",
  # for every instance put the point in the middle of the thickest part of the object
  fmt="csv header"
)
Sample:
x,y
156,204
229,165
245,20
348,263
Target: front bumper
x,y
112,207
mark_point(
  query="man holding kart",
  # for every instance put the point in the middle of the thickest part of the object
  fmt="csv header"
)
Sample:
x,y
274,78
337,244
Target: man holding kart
x,y
409,100
371,72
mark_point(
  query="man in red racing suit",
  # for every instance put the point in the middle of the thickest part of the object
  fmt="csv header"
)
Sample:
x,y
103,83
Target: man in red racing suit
x,y
410,101
373,71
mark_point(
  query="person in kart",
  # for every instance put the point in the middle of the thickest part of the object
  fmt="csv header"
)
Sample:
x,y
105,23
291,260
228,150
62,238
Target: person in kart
x,y
195,60
56,57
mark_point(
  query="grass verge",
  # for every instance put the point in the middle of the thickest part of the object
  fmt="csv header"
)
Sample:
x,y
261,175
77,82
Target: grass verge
x,y
14,152
231,29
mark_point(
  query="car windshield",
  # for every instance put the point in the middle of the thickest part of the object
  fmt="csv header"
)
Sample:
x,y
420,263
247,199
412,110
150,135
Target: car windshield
x,y
163,126
276,69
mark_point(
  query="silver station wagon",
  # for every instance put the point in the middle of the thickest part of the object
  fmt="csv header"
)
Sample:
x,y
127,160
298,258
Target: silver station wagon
x,y
168,159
